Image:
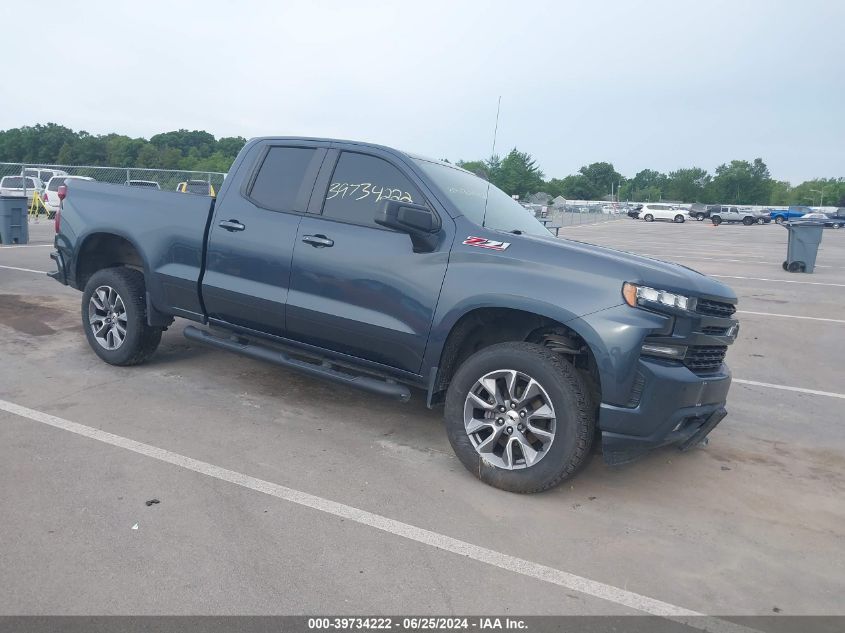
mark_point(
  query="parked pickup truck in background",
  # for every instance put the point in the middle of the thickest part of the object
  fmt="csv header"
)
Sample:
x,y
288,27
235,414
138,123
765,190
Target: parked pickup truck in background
x,y
782,215
385,271
837,218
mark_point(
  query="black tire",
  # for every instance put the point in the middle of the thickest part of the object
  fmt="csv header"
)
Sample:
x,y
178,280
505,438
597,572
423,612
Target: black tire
x,y
747,221
838,226
760,221
778,220
717,220
785,265
700,217
648,217
574,416
141,340
797,267
679,219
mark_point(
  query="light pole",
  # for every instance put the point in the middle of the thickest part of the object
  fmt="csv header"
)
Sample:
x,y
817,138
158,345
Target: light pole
x,y
821,196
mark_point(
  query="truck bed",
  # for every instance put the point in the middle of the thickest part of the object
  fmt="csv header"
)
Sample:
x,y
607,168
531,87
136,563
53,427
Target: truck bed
x,y
167,228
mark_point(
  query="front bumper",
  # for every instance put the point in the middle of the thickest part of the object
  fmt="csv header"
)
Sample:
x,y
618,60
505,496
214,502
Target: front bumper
x,y
676,406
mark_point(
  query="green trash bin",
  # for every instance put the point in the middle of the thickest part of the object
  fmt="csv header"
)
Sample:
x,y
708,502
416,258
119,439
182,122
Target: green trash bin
x,y
14,220
802,246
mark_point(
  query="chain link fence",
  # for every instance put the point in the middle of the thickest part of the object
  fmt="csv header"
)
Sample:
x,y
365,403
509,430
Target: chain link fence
x,y
164,179
555,217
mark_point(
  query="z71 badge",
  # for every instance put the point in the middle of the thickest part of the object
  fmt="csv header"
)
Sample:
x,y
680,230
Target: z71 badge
x,y
483,242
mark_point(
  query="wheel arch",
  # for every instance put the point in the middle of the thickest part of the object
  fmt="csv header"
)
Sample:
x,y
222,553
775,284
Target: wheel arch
x,y
481,326
106,250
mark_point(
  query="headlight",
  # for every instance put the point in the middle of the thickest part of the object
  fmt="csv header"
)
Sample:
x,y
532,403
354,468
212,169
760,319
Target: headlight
x,y
651,297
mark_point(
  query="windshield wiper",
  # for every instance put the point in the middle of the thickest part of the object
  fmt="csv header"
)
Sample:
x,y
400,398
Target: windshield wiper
x,y
516,232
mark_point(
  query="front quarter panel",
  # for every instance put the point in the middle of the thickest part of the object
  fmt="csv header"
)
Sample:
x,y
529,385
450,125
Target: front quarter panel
x,y
532,274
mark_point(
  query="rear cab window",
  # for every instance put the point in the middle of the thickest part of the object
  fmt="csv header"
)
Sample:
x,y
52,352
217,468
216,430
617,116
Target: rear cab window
x,y
359,186
285,178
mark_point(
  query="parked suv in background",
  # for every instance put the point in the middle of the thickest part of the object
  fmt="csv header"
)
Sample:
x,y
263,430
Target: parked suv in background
x,y
733,214
42,173
699,211
14,186
51,193
652,212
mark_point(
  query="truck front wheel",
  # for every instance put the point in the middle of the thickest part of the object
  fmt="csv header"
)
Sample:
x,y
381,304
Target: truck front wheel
x,y
519,417
114,317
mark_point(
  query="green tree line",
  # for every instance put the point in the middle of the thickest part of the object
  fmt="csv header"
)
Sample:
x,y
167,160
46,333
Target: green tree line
x,y
56,144
737,182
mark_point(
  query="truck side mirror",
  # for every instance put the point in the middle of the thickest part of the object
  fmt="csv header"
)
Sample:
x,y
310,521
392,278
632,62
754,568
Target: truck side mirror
x,y
418,221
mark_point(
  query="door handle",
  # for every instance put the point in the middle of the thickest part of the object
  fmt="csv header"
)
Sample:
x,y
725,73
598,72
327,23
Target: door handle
x,y
318,241
231,225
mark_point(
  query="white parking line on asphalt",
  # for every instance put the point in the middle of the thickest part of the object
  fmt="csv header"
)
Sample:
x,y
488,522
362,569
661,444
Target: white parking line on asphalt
x,y
715,259
26,270
768,385
779,281
398,528
25,246
790,316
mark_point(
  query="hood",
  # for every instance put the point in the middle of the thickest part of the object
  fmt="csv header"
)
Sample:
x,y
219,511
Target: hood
x,y
624,266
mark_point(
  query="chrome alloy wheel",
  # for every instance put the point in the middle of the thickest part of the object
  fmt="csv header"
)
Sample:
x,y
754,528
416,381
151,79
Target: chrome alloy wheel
x,y
107,317
509,419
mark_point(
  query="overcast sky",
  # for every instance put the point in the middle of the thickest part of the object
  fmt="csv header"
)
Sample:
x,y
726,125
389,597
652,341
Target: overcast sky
x,y
656,85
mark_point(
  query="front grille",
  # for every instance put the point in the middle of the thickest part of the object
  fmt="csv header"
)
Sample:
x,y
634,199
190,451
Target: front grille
x,y
705,358
715,308
713,330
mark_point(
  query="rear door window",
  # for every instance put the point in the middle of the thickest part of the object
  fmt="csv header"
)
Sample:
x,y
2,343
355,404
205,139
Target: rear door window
x,y
285,179
360,185
55,182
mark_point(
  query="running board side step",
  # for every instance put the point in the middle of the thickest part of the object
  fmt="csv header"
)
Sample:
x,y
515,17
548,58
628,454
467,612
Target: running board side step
x,y
322,369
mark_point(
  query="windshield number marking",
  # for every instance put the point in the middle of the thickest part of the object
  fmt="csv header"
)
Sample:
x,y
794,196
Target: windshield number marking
x,y
348,190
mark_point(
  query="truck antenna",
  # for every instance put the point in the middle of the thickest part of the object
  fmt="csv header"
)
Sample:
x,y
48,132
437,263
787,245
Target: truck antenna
x,y
492,154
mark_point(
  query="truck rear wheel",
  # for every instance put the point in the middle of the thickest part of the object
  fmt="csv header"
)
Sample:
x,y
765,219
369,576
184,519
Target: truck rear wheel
x,y
114,317
519,417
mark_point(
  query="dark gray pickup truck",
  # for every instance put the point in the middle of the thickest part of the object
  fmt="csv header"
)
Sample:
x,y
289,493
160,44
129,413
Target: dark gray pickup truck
x,y
383,270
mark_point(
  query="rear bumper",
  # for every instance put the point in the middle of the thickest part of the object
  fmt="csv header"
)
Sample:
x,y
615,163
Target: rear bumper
x,y
60,274
677,406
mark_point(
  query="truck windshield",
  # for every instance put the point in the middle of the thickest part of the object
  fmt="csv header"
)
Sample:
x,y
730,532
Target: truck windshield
x,y
469,194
